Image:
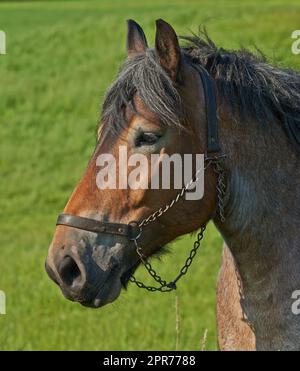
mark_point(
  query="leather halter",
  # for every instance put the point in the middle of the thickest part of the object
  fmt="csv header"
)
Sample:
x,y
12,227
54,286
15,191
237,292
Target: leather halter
x,y
133,230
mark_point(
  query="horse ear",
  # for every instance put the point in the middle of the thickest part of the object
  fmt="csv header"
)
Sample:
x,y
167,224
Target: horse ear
x,y
136,39
167,48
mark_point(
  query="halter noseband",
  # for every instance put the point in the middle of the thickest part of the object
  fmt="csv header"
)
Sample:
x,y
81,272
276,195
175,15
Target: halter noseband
x,y
133,230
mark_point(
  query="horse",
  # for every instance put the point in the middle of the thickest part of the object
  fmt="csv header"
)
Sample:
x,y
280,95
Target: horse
x,y
244,115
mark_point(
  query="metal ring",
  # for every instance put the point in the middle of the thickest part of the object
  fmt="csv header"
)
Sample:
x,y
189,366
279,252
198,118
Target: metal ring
x,y
134,225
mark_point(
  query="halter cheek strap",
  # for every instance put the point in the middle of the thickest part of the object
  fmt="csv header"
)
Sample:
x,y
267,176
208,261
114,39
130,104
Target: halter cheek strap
x,y
213,145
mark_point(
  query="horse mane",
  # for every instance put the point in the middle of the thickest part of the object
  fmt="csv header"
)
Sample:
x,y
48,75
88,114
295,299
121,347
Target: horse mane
x,y
251,88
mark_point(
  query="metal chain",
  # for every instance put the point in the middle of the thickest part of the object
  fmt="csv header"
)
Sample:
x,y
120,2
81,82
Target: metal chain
x,y
158,213
164,285
221,188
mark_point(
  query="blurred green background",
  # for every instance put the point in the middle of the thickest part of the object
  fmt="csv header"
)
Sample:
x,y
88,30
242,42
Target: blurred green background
x,y
61,57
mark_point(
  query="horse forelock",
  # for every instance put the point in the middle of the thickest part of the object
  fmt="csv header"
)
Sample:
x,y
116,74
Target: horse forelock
x,y
142,76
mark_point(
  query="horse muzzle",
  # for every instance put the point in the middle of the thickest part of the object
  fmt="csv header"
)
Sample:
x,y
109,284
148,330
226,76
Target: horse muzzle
x,y
90,276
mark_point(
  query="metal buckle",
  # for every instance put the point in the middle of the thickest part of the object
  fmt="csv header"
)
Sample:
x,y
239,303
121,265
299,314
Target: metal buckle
x,y
135,226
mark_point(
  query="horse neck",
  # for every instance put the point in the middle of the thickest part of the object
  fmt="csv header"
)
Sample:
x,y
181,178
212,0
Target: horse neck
x,y
262,228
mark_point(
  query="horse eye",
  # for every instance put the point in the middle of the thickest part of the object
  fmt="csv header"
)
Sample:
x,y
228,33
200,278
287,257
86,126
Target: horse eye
x,y
146,139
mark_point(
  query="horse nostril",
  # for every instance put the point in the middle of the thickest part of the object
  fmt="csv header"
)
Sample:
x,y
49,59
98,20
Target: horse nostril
x,y
69,270
50,272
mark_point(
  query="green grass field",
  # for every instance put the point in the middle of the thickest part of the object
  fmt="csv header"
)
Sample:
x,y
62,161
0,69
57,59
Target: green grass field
x,y
61,57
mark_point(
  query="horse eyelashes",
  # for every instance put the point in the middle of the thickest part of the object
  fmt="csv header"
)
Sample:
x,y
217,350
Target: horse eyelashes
x,y
146,139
